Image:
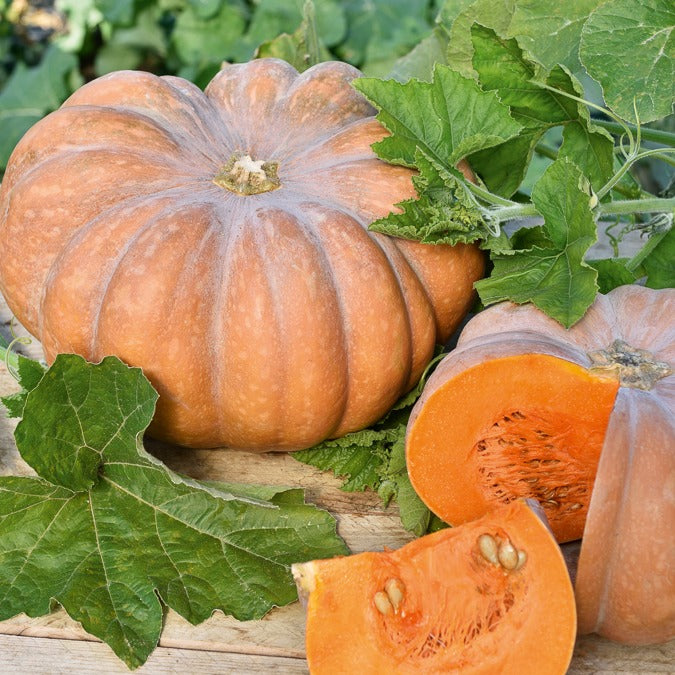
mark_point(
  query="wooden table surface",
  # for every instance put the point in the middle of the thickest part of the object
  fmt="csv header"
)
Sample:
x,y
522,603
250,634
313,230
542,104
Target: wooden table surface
x,y
57,644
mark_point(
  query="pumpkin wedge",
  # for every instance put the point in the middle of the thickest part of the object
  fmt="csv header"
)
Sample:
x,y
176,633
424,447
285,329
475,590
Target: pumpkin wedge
x,y
583,421
491,596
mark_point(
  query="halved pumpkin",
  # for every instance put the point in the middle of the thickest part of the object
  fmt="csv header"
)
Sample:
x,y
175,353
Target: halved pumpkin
x,y
491,596
522,407
525,408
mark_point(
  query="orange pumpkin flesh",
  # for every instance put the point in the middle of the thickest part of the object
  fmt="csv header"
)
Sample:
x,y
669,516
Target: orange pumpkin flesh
x,y
514,436
219,240
440,605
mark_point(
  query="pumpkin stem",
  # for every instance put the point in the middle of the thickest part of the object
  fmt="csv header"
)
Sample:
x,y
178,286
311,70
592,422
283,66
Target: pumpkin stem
x,y
245,176
633,367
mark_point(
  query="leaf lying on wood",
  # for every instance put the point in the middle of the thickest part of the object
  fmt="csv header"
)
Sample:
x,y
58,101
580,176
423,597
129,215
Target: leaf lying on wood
x,y
114,536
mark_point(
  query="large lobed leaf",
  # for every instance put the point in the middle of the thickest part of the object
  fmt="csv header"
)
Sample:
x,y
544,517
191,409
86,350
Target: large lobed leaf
x,y
114,535
629,47
502,66
447,119
550,31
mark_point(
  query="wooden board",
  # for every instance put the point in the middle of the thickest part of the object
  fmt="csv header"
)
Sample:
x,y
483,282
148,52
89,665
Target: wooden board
x,y
57,644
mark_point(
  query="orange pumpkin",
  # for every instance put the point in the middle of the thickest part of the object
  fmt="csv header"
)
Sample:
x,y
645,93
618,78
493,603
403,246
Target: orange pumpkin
x,y
219,240
491,596
583,420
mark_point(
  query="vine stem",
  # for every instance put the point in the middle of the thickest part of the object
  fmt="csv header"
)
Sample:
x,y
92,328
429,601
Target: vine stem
x,y
487,196
630,160
653,135
9,358
552,153
654,205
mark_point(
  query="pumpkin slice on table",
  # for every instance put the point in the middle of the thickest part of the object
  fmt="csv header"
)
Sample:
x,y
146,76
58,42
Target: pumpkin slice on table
x,y
219,240
582,420
491,596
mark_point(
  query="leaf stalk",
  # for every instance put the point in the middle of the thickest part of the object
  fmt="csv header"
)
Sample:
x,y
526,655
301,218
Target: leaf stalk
x,y
625,207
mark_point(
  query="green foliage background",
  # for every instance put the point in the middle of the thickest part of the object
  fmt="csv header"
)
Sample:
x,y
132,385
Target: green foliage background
x,y
50,47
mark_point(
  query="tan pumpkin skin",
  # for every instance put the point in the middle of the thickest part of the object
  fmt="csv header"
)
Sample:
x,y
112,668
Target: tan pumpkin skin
x,y
266,321
625,586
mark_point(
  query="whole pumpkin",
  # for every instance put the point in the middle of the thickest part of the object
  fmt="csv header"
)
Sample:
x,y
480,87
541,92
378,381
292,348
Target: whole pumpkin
x,y
219,241
582,420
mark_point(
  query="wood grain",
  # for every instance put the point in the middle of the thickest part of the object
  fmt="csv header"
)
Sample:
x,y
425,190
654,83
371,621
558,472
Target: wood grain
x,y
57,644
64,657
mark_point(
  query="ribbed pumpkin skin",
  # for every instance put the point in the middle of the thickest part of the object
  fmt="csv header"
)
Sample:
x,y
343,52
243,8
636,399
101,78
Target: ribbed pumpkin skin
x,y
625,585
268,321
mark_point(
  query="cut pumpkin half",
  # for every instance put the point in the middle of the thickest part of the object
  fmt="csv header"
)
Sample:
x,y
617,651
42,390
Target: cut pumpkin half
x,y
492,596
582,420
524,425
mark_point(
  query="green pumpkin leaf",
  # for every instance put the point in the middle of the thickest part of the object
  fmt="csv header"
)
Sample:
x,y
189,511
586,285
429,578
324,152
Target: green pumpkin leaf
x,y
443,214
434,117
495,14
629,48
658,265
591,149
554,277
28,374
549,31
65,443
421,60
122,536
415,516
504,167
612,272
502,66
357,457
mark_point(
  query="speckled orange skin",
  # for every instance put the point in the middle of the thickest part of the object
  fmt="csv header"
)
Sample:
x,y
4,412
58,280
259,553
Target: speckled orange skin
x,y
266,322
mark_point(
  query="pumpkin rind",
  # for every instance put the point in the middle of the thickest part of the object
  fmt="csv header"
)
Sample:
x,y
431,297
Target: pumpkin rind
x,y
625,584
266,321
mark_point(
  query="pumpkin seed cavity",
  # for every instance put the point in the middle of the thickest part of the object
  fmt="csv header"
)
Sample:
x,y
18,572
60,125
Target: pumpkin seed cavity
x,y
527,455
466,623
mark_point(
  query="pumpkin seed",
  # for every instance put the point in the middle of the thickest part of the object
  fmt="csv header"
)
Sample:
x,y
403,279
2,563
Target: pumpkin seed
x,y
395,590
507,555
487,545
382,602
522,559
